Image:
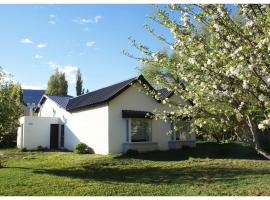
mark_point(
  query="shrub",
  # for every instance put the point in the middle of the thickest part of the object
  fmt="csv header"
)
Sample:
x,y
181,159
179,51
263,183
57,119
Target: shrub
x,y
41,148
23,149
132,152
82,148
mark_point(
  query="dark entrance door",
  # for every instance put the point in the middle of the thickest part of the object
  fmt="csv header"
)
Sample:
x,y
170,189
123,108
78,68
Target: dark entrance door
x,y
54,136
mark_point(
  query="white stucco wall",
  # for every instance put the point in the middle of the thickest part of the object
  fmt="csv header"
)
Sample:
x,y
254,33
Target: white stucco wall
x,y
36,132
89,126
102,127
50,109
133,99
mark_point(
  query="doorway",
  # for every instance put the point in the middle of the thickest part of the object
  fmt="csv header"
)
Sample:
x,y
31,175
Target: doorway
x,y
54,136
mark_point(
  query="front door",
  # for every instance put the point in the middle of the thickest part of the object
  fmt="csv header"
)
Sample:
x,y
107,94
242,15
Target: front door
x,y
54,136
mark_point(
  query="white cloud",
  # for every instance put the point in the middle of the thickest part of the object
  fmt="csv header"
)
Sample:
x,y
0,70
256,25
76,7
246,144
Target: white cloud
x,y
52,16
69,70
90,44
52,22
26,41
97,18
81,21
53,65
37,56
41,45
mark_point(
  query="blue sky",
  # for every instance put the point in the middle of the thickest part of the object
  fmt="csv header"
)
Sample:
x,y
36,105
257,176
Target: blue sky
x,y
35,39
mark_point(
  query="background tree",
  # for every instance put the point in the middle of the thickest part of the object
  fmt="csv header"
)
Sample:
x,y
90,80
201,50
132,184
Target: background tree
x,y
57,84
79,83
227,75
10,110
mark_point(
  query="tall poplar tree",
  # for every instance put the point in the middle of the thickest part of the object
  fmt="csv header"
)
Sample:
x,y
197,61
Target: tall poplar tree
x,y
57,84
79,83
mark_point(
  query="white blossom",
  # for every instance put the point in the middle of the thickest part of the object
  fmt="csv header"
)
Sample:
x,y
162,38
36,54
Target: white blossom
x,y
217,27
245,84
224,86
249,23
261,126
261,97
227,44
241,106
192,60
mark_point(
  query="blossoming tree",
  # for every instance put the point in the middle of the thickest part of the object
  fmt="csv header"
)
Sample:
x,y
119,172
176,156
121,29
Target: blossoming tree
x,y
225,75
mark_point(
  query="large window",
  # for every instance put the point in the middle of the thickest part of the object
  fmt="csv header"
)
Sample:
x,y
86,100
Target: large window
x,y
141,130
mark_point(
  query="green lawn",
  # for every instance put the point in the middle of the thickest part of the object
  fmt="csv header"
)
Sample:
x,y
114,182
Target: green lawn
x,y
209,169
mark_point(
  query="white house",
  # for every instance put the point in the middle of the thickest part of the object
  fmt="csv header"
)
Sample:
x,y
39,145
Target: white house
x,y
109,120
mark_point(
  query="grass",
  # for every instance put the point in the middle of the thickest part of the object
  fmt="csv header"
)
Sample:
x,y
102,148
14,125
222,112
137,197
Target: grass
x,y
209,169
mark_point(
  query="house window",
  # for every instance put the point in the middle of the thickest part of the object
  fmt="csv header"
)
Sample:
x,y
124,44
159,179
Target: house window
x,y
62,136
175,132
181,128
141,130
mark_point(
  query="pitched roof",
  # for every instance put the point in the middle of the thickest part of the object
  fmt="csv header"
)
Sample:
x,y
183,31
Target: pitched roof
x,y
32,96
100,96
103,95
165,93
62,101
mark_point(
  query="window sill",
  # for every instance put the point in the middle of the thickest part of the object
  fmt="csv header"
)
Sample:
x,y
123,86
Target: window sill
x,y
140,146
181,141
140,143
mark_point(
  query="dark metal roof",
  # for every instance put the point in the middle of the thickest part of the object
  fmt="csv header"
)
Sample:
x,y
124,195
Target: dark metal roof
x,y
62,101
103,95
32,96
136,114
165,93
99,96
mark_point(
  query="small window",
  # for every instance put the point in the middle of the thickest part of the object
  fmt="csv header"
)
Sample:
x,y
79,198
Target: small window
x,y
182,128
62,138
141,130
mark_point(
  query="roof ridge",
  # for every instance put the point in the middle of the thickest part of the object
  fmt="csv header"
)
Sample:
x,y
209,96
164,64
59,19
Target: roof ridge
x,y
58,95
106,87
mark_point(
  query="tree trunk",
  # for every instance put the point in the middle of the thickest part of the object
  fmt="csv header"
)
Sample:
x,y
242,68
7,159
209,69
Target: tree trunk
x,y
254,132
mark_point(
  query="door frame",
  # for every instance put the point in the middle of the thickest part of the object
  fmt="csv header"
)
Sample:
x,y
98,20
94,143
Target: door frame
x,y
54,136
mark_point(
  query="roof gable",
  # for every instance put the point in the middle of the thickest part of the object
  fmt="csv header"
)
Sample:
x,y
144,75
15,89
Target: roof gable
x,y
32,96
103,95
62,101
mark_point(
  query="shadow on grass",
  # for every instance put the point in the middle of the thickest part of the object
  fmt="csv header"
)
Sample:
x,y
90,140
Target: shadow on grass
x,y
202,150
122,169
156,175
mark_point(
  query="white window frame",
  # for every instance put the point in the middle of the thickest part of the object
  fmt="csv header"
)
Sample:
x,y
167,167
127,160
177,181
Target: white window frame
x,y
128,129
173,136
